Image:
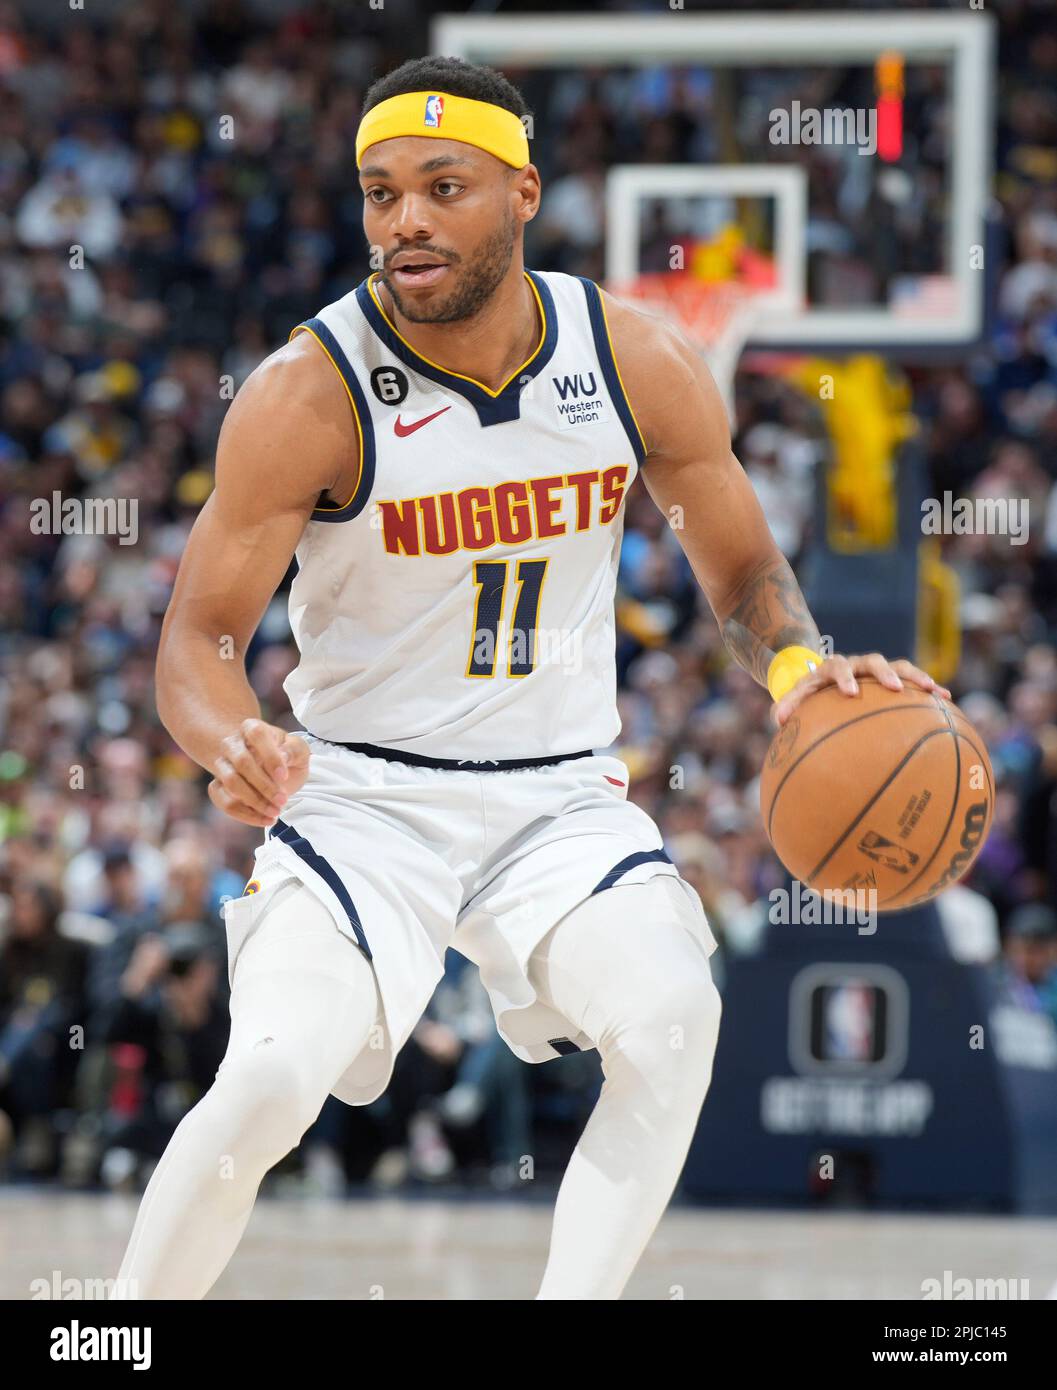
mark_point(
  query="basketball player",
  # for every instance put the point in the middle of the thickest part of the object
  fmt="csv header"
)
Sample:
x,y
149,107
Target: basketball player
x,y
446,450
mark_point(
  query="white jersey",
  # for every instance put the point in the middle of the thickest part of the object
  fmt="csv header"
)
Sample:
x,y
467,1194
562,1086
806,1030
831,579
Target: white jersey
x,y
460,603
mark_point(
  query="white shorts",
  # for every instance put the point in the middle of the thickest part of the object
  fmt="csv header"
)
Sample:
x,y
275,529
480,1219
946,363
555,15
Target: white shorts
x,y
411,860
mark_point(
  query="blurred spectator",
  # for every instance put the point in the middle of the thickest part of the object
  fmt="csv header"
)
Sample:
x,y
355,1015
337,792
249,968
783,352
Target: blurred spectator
x,y
126,911
1030,970
454,1072
42,998
781,472
64,211
171,1016
970,925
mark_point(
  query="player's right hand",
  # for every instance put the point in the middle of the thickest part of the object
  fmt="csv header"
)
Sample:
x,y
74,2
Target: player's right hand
x,y
260,766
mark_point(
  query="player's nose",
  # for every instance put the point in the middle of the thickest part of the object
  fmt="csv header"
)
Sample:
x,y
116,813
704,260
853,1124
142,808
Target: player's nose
x,y
411,220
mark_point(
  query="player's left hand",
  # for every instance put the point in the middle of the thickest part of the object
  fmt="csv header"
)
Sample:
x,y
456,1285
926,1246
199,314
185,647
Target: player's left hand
x,y
841,671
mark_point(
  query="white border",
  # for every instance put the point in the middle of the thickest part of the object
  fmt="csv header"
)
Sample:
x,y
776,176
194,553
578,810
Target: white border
x,y
628,184
968,39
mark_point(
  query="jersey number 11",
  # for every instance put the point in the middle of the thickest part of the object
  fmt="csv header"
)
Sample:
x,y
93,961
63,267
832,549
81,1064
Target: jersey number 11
x,y
490,576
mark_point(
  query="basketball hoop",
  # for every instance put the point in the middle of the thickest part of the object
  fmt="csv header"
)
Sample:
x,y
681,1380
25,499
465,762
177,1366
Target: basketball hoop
x,y
718,316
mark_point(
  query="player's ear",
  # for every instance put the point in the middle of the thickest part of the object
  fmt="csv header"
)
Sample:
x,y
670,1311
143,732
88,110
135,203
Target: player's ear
x,y
525,192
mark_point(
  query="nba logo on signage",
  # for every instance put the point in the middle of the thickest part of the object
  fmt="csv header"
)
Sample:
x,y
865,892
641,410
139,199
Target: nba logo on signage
x,y
847,1020
847,1023
434,110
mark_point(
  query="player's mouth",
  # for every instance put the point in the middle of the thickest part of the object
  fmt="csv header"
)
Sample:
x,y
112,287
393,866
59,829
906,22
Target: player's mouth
x,y
418,272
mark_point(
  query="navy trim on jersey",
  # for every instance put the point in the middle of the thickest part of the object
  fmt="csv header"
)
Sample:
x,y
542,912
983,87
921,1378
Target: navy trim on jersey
x,y
652,856
563,1045
398,755
301,847
610,371
493,408
356,503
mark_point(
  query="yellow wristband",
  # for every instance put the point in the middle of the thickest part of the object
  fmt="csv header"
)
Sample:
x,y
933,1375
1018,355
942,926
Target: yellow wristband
x,y
789,666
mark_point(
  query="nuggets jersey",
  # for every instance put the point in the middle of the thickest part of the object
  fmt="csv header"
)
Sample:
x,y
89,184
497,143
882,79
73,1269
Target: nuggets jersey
x,y
460,603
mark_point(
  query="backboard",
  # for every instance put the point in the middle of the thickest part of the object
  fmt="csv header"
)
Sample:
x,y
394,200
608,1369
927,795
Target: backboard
x,y
886,114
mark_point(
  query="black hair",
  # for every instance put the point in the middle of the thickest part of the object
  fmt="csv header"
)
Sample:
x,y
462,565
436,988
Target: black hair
x,y
452,75
49,902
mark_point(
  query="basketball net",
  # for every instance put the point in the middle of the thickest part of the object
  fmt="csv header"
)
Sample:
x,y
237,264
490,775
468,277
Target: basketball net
x,y
718,316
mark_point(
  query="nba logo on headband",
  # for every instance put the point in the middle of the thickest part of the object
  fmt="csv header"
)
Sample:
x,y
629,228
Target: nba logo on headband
x,y
434,111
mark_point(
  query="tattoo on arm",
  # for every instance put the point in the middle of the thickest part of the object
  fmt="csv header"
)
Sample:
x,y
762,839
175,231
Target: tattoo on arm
x,y
770,614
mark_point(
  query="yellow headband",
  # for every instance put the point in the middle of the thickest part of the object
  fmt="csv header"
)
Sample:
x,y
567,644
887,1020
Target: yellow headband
x,y
445,117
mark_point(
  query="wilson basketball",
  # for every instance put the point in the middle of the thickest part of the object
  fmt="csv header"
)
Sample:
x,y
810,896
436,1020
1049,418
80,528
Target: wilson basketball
x,y
889,790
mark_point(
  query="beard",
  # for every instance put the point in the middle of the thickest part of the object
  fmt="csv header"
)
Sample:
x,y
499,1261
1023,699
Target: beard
x,y
479,282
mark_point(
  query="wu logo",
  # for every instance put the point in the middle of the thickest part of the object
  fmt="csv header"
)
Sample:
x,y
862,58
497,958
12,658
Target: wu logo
x,y
575,386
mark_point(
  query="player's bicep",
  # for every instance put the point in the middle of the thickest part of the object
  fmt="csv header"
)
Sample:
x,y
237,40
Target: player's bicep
x,y
692,474
280,447
230,569
670,389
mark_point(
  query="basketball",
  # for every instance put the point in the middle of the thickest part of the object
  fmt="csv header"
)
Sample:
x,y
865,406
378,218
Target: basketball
x,y
891,791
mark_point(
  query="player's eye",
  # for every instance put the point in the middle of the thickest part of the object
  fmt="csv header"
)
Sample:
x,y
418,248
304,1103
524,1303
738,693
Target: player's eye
x,y
447,188
377,195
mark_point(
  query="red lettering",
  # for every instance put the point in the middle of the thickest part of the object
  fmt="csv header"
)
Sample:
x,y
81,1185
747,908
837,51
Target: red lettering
x,y
613,481
582,483
400,526
546,506
475,515
430,527
513,513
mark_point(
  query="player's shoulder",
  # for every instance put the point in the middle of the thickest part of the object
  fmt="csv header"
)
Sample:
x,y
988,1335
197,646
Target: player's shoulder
x,y
644,342
296,378
644,337
666,380
289,425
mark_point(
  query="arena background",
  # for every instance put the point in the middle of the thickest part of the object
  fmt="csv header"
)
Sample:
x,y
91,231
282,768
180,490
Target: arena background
x,y
200,252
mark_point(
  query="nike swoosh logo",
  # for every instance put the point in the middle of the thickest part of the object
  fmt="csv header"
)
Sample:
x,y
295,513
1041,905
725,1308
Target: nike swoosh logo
x,y
402,431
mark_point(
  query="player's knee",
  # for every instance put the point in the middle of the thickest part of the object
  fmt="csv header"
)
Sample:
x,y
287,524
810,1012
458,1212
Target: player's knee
x,y
669,1037
695,1010
271,1102
687,1012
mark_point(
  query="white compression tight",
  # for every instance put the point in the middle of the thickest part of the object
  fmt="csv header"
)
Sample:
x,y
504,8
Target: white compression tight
x,y
624,968
302,1008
